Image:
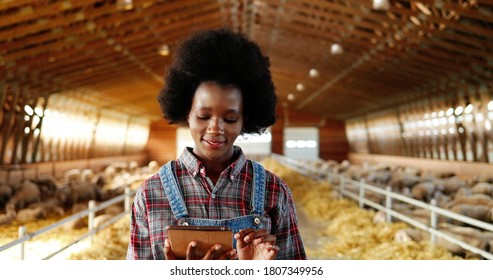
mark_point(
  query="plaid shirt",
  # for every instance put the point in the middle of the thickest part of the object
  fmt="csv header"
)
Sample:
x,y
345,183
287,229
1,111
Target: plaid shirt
x,y
229,198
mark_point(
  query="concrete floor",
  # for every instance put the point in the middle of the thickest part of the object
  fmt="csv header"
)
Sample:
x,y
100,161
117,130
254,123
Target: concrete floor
x,y
314,239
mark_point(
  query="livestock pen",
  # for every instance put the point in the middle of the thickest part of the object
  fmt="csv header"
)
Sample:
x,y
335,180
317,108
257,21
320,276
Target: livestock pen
x,y
359,190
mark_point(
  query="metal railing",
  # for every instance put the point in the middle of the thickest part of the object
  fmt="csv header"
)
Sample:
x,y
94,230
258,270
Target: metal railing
x,y
90,212
361,188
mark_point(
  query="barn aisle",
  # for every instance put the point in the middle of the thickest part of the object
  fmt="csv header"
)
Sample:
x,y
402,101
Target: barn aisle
x,y
312,232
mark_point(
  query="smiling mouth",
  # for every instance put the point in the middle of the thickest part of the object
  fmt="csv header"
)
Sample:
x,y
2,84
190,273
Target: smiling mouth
x,y
214,144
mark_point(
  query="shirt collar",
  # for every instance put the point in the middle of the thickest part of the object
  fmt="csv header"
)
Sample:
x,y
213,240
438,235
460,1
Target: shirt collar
x,y
193,165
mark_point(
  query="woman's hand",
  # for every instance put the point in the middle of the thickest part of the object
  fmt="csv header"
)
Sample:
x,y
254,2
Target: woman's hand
x,y
256,245
211,254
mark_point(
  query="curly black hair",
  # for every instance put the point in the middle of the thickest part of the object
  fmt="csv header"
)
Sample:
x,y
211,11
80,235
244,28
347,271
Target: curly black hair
x,y
226,58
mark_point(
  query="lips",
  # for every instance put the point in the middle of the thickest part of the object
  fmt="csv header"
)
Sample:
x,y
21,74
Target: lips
x,y
214,143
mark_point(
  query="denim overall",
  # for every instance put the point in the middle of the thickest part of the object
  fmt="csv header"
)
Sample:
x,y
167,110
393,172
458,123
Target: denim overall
x,y
255,220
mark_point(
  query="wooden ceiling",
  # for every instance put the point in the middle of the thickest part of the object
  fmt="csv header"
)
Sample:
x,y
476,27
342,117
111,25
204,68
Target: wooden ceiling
x,y
94,51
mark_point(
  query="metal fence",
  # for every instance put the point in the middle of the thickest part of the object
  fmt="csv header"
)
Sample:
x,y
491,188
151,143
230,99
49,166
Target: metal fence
x,y
90,212
343,184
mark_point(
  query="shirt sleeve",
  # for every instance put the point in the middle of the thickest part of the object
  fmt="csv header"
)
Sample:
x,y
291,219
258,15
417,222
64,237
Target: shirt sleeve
x,y
139,246
288,237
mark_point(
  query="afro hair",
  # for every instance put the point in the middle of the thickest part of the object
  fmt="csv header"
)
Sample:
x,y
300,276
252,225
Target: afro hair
x,y
224,57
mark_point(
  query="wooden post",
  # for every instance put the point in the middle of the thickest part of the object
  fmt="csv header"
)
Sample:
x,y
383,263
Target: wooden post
x,y
28,137
6,127
3,94
39,126
461,132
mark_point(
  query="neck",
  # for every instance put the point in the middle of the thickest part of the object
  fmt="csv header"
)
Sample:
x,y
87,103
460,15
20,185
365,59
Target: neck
x,y
214,168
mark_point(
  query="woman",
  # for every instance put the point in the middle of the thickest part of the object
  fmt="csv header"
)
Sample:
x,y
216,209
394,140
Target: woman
x,y
220,86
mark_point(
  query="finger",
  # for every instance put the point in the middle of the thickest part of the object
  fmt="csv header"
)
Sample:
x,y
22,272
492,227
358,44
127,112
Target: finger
x,y
168,254
240,237
271,239
242,233
228,255
191,250
210,255
261,233
272,252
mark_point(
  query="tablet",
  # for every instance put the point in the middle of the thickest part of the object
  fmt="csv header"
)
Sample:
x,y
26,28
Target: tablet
x,y
206,236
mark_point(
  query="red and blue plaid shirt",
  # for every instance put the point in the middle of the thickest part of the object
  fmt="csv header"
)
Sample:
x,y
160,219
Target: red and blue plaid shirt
x,y
151,211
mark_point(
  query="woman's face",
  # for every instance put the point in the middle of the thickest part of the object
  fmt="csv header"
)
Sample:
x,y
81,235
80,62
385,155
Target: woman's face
x,y
215,121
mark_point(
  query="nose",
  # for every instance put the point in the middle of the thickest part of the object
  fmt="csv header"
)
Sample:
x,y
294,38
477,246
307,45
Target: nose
x,y
216,126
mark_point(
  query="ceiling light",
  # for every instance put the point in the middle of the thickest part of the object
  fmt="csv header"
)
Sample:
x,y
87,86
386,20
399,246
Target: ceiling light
x,y
291,97
381,5
336,49
300,87
313,73
124,5
164,50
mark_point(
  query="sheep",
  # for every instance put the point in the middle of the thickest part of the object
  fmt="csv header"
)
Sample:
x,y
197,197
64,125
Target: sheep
x,y
474,199
483,188
30,214
401,181
424,216
28,193
381,177
5,194
72,175
9,216
468,235
410,234
87,175
132,166
423,191
356,172
478,212
84,191
462,192
52,207
47,187
451,185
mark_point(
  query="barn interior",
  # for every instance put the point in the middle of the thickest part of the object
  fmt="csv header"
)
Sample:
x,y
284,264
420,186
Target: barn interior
x,y
397,82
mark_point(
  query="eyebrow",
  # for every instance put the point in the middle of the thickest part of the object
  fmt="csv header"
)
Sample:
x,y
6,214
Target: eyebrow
x,y
238,111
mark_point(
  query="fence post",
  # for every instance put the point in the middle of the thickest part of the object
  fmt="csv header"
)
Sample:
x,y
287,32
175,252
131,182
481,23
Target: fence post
x,y
342,181
433,221
388,204
22,232
90,218
127,199
361,193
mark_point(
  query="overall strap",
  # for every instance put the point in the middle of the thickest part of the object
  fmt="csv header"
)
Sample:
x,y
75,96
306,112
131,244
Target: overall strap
x,y
258,192
175,197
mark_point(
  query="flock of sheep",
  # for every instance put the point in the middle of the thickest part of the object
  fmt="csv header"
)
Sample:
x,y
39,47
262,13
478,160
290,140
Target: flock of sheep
x,y
35,199
471,197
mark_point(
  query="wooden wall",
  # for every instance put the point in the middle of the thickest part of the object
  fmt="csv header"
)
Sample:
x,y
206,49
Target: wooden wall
x,y
457,127
162,144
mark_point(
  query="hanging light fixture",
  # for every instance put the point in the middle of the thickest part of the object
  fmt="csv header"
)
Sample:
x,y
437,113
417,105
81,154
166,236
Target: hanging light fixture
x,y
313,73
300,86
336,49
124,5
164,50
381,5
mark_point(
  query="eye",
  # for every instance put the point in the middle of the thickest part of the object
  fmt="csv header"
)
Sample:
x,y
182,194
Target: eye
x,y
202,117
230,120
